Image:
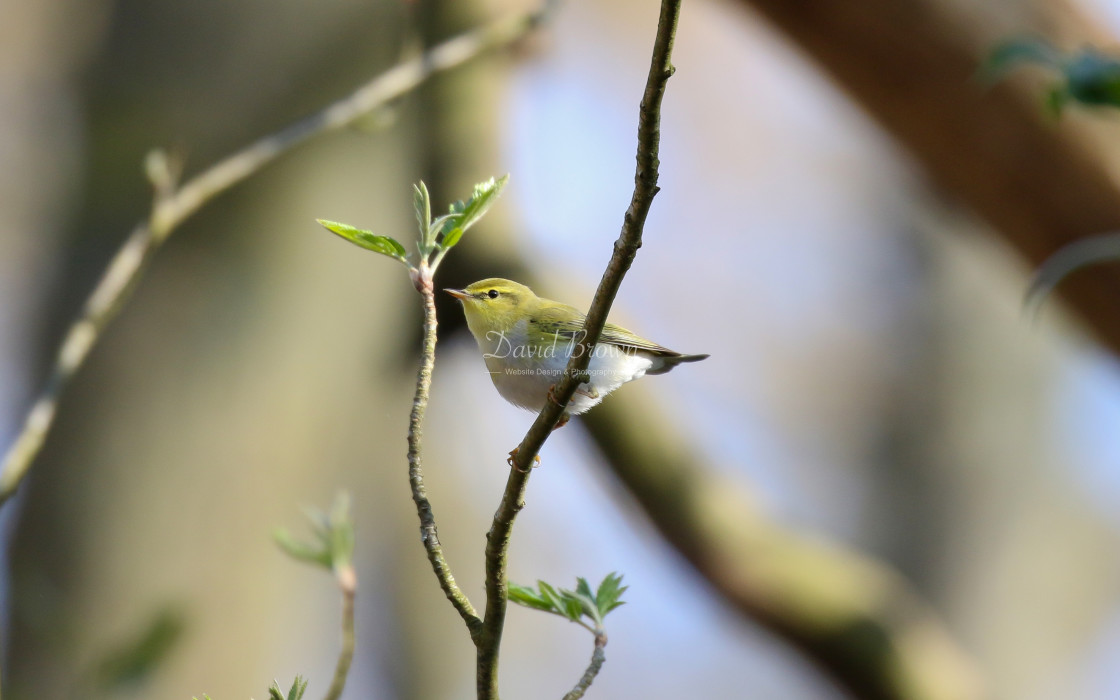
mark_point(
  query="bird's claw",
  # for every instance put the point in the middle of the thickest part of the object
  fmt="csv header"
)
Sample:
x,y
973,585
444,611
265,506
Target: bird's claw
x,y
512,461
552,396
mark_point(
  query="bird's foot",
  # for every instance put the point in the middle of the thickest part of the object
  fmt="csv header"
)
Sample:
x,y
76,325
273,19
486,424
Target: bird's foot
x,y
512,461
552,396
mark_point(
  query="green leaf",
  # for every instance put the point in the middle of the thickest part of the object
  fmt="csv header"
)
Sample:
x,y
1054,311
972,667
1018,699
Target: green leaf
x,y
368,240
444,223
448,241
554,599
341,531
274,692
301,551
465,215
333,547
572,605
1015,52
609,592
422,203
484,195
299,687
573,609
583,604
524,595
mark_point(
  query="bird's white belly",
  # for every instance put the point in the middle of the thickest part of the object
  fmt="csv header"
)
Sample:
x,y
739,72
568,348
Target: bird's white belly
x,y
524,375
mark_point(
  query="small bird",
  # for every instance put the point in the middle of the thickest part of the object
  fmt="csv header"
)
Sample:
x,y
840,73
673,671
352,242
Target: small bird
x,y
527,341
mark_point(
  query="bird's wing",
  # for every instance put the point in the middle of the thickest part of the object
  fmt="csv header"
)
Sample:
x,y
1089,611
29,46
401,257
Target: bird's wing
x,y
567,322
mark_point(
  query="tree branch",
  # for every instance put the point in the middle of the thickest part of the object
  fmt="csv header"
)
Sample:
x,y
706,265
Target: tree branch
x,y
625,249
428,533
598,656
348,584
174,205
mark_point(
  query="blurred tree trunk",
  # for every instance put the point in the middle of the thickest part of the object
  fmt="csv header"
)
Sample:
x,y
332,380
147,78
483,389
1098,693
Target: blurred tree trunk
x,y
218,403
913,66
971,503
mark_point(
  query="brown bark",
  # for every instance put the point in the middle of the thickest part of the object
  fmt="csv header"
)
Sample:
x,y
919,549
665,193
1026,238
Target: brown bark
x,y
912,65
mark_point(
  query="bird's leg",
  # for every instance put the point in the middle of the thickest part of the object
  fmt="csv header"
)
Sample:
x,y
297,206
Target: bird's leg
x,y
513,457
564,417
552,396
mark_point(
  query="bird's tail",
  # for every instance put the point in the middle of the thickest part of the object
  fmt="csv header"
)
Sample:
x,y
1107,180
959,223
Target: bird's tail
x,y
668,362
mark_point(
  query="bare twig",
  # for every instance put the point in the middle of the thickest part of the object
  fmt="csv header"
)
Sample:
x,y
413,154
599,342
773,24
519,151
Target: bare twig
x,y
428,534
598,656
348,584
625,248
174,205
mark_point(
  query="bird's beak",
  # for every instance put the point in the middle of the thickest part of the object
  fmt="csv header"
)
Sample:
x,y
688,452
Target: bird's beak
x,y
458,294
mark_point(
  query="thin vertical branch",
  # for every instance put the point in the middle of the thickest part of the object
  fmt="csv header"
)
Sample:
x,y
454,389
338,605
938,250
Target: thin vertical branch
x,y
175,205
348,584
598,656
428,533
625,249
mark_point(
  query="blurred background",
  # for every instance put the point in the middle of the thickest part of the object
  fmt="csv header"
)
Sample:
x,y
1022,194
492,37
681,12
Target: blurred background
x,y
874,380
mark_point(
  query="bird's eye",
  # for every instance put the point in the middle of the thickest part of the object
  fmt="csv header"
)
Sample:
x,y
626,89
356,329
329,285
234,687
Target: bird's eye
x,y
493,293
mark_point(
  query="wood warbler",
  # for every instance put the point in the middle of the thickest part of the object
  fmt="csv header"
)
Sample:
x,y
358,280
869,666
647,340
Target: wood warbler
x,y
527,342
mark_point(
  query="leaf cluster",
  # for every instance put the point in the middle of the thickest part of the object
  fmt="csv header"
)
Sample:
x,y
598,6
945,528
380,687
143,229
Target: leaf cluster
x,y
438,235
570,604
299,687
1088,76
333,547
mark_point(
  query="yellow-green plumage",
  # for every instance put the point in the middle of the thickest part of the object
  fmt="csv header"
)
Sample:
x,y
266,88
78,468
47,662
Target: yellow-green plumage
x,y
527,341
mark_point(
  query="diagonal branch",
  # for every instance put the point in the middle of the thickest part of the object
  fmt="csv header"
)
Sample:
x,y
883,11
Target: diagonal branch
x,y
625,249
174,205
854,617
912,66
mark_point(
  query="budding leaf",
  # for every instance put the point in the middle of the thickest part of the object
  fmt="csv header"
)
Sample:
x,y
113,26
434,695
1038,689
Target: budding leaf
x,y
609,593
368,240
341,530
299,687
576,604
333,547
524,595
549,593
302,551
464,215
422,204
